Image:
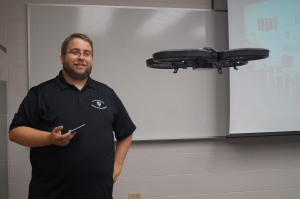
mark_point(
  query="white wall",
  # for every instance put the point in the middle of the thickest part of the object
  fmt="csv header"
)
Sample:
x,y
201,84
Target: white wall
x,y
243,168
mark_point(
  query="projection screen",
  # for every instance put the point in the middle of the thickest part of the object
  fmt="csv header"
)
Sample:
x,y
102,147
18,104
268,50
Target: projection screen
x,y
265,94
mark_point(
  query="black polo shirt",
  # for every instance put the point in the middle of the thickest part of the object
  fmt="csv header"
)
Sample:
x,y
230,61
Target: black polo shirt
x,y
84,168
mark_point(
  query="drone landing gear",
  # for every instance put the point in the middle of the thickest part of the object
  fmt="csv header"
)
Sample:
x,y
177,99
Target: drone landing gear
x,y
175,70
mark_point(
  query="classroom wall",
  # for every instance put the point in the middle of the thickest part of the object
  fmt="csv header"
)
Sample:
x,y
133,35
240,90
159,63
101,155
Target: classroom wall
x,y
3,142
240,168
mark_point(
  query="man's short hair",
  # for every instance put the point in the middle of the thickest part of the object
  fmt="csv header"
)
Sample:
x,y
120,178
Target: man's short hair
x,y
84,37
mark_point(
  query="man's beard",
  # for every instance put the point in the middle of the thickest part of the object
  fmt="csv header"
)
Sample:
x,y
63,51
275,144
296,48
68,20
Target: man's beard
x,y
77,76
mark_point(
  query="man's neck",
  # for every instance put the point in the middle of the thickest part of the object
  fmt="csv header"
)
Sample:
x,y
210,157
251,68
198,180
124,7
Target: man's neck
x,y
79,84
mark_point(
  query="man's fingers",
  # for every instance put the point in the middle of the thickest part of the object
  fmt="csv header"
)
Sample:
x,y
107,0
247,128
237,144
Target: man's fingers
x,y
61,139
64,143
57,129
73,134
66,136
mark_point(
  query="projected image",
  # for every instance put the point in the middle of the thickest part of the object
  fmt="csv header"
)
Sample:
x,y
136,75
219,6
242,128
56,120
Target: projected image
x,y
265,95
275,24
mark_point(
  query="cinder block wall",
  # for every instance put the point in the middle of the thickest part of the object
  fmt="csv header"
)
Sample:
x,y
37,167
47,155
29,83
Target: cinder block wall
x,y
244,168
3,143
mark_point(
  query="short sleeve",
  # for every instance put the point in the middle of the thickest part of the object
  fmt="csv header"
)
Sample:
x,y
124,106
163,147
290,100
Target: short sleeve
x,y
27,114
122,125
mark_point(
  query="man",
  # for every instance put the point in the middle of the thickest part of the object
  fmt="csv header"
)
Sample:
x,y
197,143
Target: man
x,y
65,164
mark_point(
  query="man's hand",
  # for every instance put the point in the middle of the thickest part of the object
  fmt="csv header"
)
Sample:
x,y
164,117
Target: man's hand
x,y
59,139
117,171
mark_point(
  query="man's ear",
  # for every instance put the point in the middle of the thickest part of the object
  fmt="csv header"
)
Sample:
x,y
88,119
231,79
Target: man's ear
x,y
62,57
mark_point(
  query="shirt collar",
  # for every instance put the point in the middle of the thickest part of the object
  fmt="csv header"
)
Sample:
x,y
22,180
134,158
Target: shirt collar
x,y
63,84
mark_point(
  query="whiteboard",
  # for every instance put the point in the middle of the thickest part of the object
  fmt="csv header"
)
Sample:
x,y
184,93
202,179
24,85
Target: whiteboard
x,y
187,105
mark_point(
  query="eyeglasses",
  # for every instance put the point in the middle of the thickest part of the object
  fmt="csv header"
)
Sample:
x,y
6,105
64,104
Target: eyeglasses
x,y
78,54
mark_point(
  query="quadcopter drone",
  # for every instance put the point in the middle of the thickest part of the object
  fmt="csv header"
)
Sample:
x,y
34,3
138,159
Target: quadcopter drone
x,y
206,58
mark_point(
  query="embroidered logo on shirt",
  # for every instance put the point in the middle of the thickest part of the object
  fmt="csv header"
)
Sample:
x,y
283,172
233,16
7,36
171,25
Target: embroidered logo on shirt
x,y
98,104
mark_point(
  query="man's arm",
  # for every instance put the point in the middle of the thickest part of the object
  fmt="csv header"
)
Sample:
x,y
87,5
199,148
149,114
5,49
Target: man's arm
x,y
31,137
121,151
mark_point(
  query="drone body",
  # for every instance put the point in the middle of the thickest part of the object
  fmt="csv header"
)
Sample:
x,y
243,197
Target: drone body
x,y
207,58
